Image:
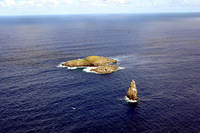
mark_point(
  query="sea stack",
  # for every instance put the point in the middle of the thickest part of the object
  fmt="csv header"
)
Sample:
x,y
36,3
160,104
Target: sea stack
x,y
131,95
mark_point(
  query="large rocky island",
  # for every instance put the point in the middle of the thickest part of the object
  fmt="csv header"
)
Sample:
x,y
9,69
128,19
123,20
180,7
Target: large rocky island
x,y
102,65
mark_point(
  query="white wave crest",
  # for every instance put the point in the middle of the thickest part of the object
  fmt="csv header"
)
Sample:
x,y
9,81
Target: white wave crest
x,y
130,101
88,70
73,68
60,65
121,68
70,68
123,57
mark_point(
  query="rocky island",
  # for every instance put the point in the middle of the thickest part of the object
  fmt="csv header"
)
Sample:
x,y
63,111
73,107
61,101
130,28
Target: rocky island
x,y
105,69
131,95
102,65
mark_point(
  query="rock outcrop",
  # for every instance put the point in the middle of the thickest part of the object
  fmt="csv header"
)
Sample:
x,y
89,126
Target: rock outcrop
x,y
131,95
107,69
99,60
77,63
103,65
90,61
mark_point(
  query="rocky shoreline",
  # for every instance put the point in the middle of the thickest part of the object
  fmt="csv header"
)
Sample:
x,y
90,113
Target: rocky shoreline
x,y
103,65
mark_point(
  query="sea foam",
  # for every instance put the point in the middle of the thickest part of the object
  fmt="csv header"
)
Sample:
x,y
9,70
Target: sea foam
x,y
60,65
121,68
88,70
130,101
71,68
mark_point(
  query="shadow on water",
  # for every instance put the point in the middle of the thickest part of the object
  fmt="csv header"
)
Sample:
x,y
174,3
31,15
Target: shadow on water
x,y
133,105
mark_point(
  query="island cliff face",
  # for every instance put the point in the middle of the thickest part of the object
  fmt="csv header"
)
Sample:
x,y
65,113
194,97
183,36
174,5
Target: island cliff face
x,y
102,64
132,92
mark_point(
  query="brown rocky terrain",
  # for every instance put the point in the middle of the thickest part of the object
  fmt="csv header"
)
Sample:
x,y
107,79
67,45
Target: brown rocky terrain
x,y
132,92
106,69
103,64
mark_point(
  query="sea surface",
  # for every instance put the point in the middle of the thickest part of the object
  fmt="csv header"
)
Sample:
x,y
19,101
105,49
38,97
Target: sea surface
x,y
161,52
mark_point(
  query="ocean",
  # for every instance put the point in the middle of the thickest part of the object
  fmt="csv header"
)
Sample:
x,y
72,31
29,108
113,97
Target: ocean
x,y
161,52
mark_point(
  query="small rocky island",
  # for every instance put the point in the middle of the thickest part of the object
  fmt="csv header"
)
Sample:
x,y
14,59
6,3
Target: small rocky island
x,y
131,95
102,65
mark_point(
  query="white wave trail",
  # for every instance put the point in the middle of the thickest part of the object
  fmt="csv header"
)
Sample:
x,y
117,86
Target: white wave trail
x,y
130,101
71,68
60,65
88,70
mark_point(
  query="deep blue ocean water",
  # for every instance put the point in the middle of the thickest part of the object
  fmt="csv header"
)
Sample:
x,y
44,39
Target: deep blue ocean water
x,y
161,52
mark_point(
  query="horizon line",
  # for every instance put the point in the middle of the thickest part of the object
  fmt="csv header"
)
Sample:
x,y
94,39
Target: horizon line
x,y
79,14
